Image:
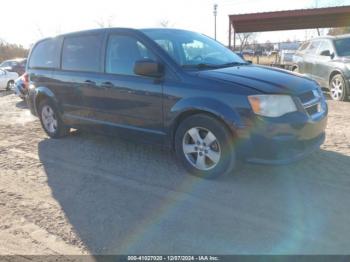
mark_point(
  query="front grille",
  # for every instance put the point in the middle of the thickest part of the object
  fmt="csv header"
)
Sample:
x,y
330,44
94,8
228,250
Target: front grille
x,y
312,110
311,102
305,97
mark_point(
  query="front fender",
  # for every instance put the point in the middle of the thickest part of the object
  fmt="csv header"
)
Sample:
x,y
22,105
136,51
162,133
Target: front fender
x,y
209,105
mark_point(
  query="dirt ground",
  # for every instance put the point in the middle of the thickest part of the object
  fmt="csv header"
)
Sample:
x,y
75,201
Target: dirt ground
x,y
88,194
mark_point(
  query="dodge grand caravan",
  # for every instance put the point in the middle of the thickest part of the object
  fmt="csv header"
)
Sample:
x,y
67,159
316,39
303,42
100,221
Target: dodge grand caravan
x,y
176,88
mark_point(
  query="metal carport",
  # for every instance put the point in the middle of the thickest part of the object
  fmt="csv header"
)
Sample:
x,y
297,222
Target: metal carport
x,y
288,20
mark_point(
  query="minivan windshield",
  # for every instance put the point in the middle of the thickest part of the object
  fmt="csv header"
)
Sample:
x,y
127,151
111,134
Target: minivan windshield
x,y
342,46
193,50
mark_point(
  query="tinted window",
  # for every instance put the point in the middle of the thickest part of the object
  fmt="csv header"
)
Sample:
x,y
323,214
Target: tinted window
x,y
324,46
46,54
313,47
123,52
343,46
82,53
167,45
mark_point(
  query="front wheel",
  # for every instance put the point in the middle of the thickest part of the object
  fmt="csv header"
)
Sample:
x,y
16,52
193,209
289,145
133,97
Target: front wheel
x,y
338,88
204,145
51,120
10,85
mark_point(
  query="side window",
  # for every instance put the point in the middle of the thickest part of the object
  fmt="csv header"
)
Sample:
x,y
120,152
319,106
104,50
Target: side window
x,y
82,53
313,47
324,46
5,64
167,45
303,46
46,54
122,53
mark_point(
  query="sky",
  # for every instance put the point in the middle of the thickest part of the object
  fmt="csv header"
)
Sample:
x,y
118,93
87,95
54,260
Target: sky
x,y
26,21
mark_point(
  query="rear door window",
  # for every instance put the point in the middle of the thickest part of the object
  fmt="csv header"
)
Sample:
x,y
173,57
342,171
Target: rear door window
x,y
313,47
82,53
46,54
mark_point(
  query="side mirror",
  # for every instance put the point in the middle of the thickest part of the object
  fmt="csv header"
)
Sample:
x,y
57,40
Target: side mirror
x,y
327,53
148,67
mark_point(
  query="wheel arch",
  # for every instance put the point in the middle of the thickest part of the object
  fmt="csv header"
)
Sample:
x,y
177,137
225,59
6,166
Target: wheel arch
x,y
221,112
42,93
338,72
333,73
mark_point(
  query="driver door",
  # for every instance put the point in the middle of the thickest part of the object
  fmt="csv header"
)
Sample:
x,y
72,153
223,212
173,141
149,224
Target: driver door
x,y
323,64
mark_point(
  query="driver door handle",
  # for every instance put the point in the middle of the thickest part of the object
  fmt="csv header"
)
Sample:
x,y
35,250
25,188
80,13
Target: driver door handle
x,y
107,85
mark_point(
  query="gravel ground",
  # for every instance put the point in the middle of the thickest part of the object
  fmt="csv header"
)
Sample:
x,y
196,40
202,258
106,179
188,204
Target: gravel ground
x,y
89,194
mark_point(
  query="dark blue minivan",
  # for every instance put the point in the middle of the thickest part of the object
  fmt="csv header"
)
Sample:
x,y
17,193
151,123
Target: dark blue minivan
x,y
176,88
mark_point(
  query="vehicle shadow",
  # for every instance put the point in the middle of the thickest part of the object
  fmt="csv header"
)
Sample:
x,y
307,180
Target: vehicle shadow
x,y
5,92
126,198
22,104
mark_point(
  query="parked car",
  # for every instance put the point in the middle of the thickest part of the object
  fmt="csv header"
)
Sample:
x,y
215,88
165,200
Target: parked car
x,y
177,88
327,60
21,86
15,65
7,79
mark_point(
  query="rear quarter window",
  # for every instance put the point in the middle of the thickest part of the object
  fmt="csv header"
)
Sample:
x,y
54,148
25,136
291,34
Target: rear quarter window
x,y
46,54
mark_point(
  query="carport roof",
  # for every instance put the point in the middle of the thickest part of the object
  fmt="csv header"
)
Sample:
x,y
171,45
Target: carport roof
x,y
292,19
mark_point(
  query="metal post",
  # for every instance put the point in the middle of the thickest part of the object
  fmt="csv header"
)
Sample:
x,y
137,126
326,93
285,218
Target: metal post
x,y
234,39
229,33
215,14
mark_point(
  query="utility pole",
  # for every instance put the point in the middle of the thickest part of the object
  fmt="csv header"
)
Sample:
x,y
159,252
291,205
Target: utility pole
x,y
215,14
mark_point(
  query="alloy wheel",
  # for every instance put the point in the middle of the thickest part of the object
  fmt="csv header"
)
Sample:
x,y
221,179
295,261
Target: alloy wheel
x,y
49,119
201,148
337,89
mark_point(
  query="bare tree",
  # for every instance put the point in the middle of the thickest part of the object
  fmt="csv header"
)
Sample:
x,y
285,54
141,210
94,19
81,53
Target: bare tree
x,y
105,22
165,23
39,31
245,39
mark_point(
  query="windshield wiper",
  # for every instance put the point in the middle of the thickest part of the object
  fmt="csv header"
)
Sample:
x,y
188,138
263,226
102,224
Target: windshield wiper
x,y
233,64
201,66
204,65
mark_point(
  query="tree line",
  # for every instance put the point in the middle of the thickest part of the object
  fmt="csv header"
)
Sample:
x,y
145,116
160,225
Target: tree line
x,y
10,51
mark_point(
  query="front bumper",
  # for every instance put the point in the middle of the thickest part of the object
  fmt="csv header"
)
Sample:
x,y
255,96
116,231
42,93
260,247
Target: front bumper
x,y
285,141
280,152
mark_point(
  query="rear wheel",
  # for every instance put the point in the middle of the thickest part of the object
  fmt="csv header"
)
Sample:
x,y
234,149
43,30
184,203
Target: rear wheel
x,y
338,88
204,146
51,120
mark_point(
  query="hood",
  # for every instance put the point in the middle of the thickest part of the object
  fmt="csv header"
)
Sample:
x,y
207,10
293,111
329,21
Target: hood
x,y
262,78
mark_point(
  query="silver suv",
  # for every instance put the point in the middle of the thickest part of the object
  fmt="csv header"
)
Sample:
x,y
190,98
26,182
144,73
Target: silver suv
x,y
326,60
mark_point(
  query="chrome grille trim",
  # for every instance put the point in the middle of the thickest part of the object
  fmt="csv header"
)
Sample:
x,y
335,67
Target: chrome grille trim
x,y
316,100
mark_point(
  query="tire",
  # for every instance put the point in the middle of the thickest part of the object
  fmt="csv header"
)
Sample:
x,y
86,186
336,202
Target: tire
x,y
9,84
295,69
51,120
338,89
207,160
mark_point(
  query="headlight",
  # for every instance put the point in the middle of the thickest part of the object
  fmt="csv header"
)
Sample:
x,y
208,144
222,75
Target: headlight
x,y
272,105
